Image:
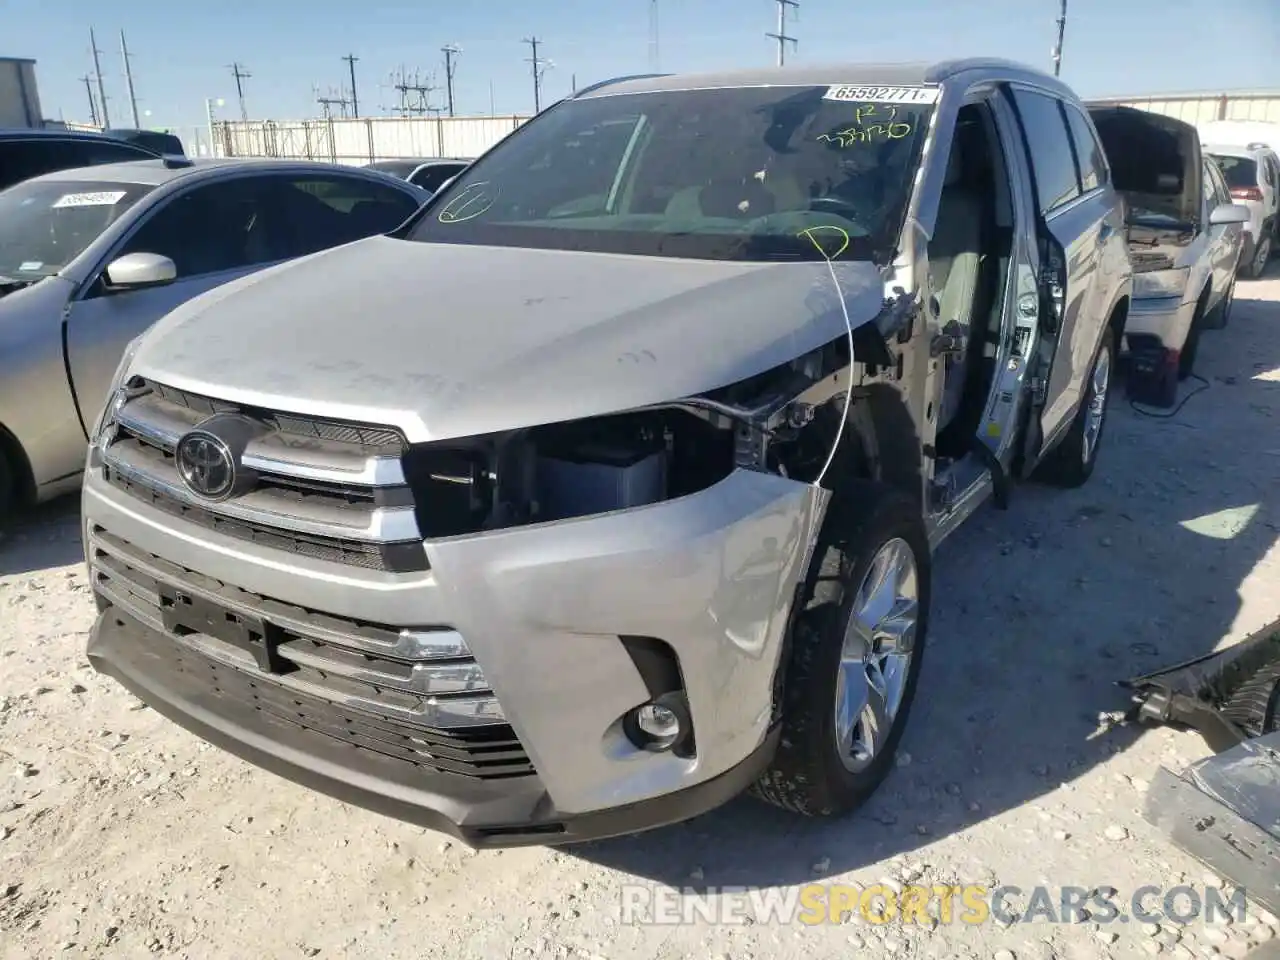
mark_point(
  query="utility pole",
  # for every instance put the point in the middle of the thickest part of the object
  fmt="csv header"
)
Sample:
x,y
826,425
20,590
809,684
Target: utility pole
x,y
241,75
351,59
1062,29
537,63
654,59
93,106
450,51
97,72
781,35
128,79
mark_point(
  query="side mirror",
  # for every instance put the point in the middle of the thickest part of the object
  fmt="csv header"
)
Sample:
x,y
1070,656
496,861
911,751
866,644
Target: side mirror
x,y
136,270
1225,213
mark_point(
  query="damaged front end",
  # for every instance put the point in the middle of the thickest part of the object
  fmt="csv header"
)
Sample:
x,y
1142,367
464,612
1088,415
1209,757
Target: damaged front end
x,y
1224,810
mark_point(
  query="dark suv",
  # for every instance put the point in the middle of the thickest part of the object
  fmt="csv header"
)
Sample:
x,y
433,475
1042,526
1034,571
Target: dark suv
x,y
29,153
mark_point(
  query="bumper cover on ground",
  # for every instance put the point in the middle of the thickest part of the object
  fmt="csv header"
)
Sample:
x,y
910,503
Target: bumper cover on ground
x,y
1225,812
482,813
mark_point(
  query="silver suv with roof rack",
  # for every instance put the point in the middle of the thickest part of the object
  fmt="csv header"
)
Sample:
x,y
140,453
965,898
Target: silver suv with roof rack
x,y
607,486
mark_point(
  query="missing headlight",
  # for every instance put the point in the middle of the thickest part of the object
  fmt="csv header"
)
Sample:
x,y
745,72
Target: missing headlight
x,y
565,470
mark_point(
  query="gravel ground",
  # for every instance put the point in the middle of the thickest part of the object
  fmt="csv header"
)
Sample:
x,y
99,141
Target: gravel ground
x,y
121,835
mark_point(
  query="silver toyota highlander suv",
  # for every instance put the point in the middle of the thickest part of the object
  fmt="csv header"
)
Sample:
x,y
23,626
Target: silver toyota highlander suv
x,y
606,487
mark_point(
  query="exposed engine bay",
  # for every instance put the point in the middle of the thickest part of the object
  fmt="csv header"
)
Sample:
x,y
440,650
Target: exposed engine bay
x,y
784,420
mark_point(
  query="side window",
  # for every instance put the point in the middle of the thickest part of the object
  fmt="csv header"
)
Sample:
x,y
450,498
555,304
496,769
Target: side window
x,y
91,154
317,212
21,160
1209,189
220,226
1050,148
1269,170
433,176
1092,161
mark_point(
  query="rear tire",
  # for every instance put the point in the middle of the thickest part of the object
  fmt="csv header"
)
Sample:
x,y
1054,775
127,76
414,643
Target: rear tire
x,y
827,764
1071,462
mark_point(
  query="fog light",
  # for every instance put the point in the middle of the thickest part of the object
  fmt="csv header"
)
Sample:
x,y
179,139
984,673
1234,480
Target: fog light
x,y
659,725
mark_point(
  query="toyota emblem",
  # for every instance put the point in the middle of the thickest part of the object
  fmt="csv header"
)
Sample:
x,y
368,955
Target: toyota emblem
x,y
206,465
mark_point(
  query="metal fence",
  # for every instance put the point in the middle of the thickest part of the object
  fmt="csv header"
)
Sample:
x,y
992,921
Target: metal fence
x,y
362,140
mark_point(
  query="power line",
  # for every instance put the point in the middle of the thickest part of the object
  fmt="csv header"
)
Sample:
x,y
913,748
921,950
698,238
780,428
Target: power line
x,y
1062,29
539,65
97,72
241,75
654,59
450,51
351,59
93,104
415,94
128,79
781,35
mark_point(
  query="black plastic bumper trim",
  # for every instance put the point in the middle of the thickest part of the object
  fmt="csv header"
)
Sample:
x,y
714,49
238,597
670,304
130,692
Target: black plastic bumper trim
x,y
484,814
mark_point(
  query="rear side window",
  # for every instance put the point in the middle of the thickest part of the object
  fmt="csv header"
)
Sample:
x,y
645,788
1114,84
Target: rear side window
x,y
1049,145
1089,156
1269,170
23,159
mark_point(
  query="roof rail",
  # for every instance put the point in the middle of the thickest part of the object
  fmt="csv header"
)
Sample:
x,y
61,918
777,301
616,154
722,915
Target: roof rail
x,y
605,83
1258,145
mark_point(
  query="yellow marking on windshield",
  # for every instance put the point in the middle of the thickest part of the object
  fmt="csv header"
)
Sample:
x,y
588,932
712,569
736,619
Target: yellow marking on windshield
x,y
886,127
840,233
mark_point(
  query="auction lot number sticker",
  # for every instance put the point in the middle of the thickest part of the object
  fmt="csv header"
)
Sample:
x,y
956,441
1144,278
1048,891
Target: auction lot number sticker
x,y
906,95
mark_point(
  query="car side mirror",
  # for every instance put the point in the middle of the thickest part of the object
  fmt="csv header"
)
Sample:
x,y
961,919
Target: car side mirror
x,y
1225,213
136,270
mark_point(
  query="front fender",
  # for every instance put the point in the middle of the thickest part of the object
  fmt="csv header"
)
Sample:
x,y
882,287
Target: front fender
x,y
36,404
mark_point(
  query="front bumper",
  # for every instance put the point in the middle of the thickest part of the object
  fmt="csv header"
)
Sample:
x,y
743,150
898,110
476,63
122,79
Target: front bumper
x,y
543,610
1167,319
492,813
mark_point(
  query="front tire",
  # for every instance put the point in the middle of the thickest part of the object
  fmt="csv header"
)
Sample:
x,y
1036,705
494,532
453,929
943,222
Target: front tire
x,y
1071,463
854,655
1191,346
1261,253
1220,316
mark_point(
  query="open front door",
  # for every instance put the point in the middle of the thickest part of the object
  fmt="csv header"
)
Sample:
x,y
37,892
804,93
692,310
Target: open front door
x,y
1155,162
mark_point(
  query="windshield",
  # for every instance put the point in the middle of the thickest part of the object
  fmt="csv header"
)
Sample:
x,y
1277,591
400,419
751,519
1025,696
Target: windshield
x,y
1238,171
752,173
44,225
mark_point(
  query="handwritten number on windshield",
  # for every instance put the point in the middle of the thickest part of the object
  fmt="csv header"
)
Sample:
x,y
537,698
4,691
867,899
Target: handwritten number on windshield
x,y
886,126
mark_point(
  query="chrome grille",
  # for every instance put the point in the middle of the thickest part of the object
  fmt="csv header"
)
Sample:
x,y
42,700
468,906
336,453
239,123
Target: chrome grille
x,y
326,490
412,694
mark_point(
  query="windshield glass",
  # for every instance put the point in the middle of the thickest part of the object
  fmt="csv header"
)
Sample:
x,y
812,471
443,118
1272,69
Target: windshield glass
x,y
1238,171
752,173
44,225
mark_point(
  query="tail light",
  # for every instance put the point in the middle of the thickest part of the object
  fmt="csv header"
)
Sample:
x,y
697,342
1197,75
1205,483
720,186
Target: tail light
x,y
1246,193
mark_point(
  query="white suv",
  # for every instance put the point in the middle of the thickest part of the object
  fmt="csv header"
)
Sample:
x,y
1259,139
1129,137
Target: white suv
x,y
1253,176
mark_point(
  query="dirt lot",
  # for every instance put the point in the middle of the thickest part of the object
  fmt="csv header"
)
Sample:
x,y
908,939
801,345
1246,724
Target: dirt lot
x,y
121,835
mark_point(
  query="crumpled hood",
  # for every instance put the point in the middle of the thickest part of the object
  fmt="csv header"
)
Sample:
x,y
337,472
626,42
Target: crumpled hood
x,y
448,340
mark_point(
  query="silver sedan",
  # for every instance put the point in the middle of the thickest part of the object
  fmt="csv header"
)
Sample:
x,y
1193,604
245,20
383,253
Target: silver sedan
x,y
91,257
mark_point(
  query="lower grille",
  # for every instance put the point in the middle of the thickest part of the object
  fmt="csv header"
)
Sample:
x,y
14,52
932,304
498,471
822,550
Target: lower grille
x,y
411,695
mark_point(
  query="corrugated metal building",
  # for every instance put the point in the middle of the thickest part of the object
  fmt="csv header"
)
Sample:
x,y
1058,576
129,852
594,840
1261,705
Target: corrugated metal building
x,y
19,96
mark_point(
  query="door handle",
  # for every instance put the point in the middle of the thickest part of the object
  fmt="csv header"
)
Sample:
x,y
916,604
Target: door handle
x,y
1104,232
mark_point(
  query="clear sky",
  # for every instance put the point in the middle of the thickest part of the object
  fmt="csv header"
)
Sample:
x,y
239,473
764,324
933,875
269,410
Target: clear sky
x,y
182,50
